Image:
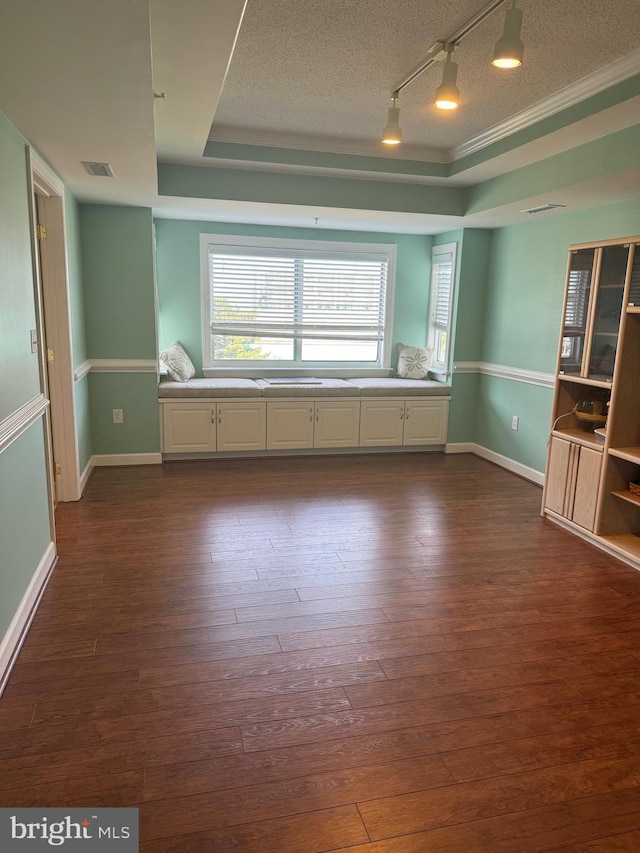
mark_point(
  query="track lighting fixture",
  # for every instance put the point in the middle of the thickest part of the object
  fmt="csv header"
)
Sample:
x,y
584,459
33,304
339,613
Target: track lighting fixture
x,y
447,93
392,134
509,50
508,53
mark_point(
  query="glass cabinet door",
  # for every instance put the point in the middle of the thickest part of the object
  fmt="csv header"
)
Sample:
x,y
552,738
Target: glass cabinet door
x,y
608,312
574,329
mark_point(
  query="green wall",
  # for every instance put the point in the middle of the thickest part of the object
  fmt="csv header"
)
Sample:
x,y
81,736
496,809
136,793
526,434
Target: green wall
x,y
119,299
19,367
117,266
24,502
522,316
24,517
178,263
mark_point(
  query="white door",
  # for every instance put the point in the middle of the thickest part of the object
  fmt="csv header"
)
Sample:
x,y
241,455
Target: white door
x,y
289,425
337,424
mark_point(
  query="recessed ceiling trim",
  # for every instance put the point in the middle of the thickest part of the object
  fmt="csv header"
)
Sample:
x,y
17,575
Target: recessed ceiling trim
x,y
616,72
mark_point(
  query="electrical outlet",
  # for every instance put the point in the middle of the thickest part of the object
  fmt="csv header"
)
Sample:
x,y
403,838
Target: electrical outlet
x,y
515,420
118,416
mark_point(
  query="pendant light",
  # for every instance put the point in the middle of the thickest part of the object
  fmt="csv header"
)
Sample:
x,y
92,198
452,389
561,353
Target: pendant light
x,y
392,134
509,50
447,93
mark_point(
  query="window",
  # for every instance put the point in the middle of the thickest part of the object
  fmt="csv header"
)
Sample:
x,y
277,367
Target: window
x,y
443,268
293,303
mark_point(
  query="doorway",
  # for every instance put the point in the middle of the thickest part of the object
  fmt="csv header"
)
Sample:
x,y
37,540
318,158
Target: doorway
x,y
55,330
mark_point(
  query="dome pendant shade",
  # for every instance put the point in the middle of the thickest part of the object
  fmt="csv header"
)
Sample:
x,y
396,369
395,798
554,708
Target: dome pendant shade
x,y
448,94
392,134
509,50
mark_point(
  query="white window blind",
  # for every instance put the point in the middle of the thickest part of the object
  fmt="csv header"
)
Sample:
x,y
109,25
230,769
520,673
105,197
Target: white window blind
x,y
443,263
270,294
578,290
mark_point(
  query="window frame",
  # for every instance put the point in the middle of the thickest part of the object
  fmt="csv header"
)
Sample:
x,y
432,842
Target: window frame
x,y
252,367
442,368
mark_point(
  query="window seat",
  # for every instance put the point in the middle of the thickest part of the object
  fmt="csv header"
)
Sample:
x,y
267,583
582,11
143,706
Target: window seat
x,y
359,387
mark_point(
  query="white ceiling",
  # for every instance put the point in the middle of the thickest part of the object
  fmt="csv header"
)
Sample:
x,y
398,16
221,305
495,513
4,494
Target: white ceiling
x,y
77,78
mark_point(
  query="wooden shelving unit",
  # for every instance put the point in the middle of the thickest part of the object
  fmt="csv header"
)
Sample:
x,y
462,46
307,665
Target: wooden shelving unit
x,y
587,482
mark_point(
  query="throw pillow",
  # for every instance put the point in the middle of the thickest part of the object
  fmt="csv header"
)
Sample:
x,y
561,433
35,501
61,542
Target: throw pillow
x,y
414,362
178,364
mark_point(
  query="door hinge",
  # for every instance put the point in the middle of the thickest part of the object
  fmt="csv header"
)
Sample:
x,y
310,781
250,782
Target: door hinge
x,y
50,354
41,232
58,468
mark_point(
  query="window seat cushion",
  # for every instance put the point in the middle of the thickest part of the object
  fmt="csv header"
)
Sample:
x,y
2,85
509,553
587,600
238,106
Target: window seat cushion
x,y
210,388
370,387
322,388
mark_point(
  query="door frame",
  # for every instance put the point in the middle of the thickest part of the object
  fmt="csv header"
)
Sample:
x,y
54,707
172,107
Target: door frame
x,y
53,286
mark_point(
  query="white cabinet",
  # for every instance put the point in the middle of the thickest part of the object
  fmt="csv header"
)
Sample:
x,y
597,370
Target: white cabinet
x,y
241,426
381,423
232,426
312,424
425,422
388,423
289,425
189,427
195,427
337,424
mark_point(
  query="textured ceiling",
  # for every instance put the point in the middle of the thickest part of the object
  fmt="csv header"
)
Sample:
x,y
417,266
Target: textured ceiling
x,y
317,74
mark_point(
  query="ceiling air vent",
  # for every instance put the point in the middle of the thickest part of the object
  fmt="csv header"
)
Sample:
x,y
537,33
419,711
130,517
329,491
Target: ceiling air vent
x,y
543,208
100,170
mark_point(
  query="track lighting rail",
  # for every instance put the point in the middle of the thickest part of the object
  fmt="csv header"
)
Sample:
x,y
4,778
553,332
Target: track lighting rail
x,y
439,47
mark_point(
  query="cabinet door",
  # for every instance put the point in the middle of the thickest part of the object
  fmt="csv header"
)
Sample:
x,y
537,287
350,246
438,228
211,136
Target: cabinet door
x,y
425,422
558,474
189,427
242,426
337,424
289,425
381,423
586,487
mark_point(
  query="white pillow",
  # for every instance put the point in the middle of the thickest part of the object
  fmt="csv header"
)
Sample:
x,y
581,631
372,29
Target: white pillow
x,y
414,362
179,366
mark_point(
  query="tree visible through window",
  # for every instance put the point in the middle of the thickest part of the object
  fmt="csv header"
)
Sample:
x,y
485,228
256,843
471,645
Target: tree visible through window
x,y
294,303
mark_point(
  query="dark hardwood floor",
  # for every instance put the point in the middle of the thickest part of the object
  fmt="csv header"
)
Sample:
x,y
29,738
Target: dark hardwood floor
x,y
385,654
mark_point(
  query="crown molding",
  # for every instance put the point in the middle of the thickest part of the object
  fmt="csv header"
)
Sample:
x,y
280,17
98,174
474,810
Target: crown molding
x,y
616,72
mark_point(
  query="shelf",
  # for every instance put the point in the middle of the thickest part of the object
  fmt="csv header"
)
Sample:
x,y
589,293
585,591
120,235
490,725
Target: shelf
x,y
578,436
633,309
626,543
629,454
606,334
627,496
581,380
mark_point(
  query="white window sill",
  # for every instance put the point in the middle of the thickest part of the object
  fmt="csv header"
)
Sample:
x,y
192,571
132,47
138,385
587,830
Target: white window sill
x,y
319,372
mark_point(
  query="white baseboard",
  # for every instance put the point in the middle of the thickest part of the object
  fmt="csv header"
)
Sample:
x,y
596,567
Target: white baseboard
x,y
84,477
13,639
461,447
518,468
109,459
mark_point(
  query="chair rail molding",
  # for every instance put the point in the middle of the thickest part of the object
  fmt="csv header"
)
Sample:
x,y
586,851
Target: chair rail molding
x,y
115,365
19,421
504,371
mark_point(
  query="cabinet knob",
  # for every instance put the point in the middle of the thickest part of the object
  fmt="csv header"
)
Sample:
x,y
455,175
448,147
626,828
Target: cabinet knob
x,y
213,416
311,414
220,416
